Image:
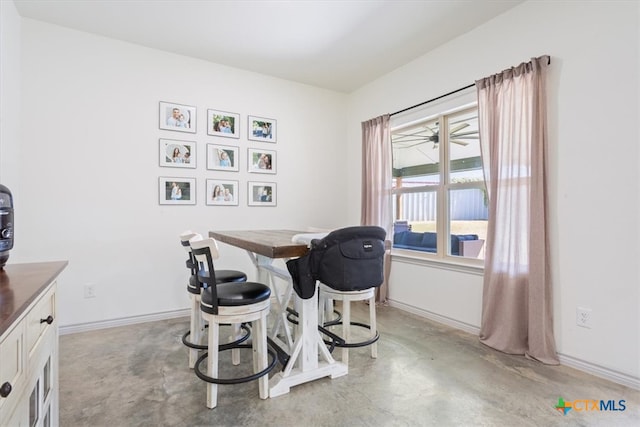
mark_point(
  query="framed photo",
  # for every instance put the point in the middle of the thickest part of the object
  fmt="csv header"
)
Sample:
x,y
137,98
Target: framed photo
x,y
177,154
222,158
222,193
262,129
261,194
177,191
221,123
261,161
178,117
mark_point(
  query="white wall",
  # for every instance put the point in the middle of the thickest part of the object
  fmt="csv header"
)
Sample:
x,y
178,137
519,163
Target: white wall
x,y
593,177
10,103
89,182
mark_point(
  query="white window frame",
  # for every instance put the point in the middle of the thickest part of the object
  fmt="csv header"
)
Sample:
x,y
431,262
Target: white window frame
x,y
441,258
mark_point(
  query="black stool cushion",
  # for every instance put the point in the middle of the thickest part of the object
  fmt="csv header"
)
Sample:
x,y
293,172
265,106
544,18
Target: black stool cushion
x,y
222,276
235,294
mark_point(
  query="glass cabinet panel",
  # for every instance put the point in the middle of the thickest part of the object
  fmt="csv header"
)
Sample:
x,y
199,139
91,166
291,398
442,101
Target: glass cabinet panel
x,y
34,404
46,379
47,418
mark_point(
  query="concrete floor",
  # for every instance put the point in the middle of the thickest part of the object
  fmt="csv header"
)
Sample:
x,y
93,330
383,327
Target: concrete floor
x,y
426,374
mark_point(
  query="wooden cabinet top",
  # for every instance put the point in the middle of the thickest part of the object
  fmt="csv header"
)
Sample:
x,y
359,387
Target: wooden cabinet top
x,y
20,285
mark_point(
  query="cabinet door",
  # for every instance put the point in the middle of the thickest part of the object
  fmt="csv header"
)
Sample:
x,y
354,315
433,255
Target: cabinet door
x,y
43,399
20,416
41,319
12,366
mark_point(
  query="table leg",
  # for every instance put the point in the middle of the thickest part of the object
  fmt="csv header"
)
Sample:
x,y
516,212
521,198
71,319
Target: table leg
x,y
268,273
304,366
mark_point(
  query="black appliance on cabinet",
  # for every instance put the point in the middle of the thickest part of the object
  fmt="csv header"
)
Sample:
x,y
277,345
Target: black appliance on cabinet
x,y
6,224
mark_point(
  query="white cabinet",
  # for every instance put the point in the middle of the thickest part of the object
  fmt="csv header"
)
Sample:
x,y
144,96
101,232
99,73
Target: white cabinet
x,y
29,364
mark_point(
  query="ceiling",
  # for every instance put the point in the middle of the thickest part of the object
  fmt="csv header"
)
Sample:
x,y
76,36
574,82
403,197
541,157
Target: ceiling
x,y
337,45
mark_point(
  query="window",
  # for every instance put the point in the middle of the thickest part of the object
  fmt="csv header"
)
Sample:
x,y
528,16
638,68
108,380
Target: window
x,y
439,197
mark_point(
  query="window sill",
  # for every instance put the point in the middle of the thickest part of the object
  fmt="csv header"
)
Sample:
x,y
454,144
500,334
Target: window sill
x,y
470,266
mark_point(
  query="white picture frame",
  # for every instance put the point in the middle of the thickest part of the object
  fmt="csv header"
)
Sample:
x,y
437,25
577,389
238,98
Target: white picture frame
x,y
262,129
177,117
220,192
176,190
223,158
175,153
262,193
223,124
261,161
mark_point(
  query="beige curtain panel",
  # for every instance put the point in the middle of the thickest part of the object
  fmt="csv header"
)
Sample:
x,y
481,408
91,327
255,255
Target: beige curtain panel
x,y
376,186
517,315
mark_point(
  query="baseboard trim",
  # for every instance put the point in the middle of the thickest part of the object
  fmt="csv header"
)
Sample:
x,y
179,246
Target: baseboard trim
x,y
572,362
474,330
599,371
124,321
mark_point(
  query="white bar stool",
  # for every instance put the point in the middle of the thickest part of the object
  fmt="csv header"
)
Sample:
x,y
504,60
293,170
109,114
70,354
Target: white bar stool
x,y
328,295
194,337
233,303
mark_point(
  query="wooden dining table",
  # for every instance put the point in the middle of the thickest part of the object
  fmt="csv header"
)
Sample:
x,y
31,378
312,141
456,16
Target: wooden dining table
x,y
309,358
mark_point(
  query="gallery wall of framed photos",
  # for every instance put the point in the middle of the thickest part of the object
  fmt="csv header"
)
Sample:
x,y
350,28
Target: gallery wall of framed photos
x,y
225,153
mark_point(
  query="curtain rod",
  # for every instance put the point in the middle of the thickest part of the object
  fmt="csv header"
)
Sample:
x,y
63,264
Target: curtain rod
x,y
431,100
442,96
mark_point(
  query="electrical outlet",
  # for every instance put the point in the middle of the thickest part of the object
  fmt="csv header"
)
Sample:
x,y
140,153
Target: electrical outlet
x,y
583,317
90,291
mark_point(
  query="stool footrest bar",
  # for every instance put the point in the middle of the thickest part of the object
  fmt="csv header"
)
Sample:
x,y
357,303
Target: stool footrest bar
x,y
248,378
